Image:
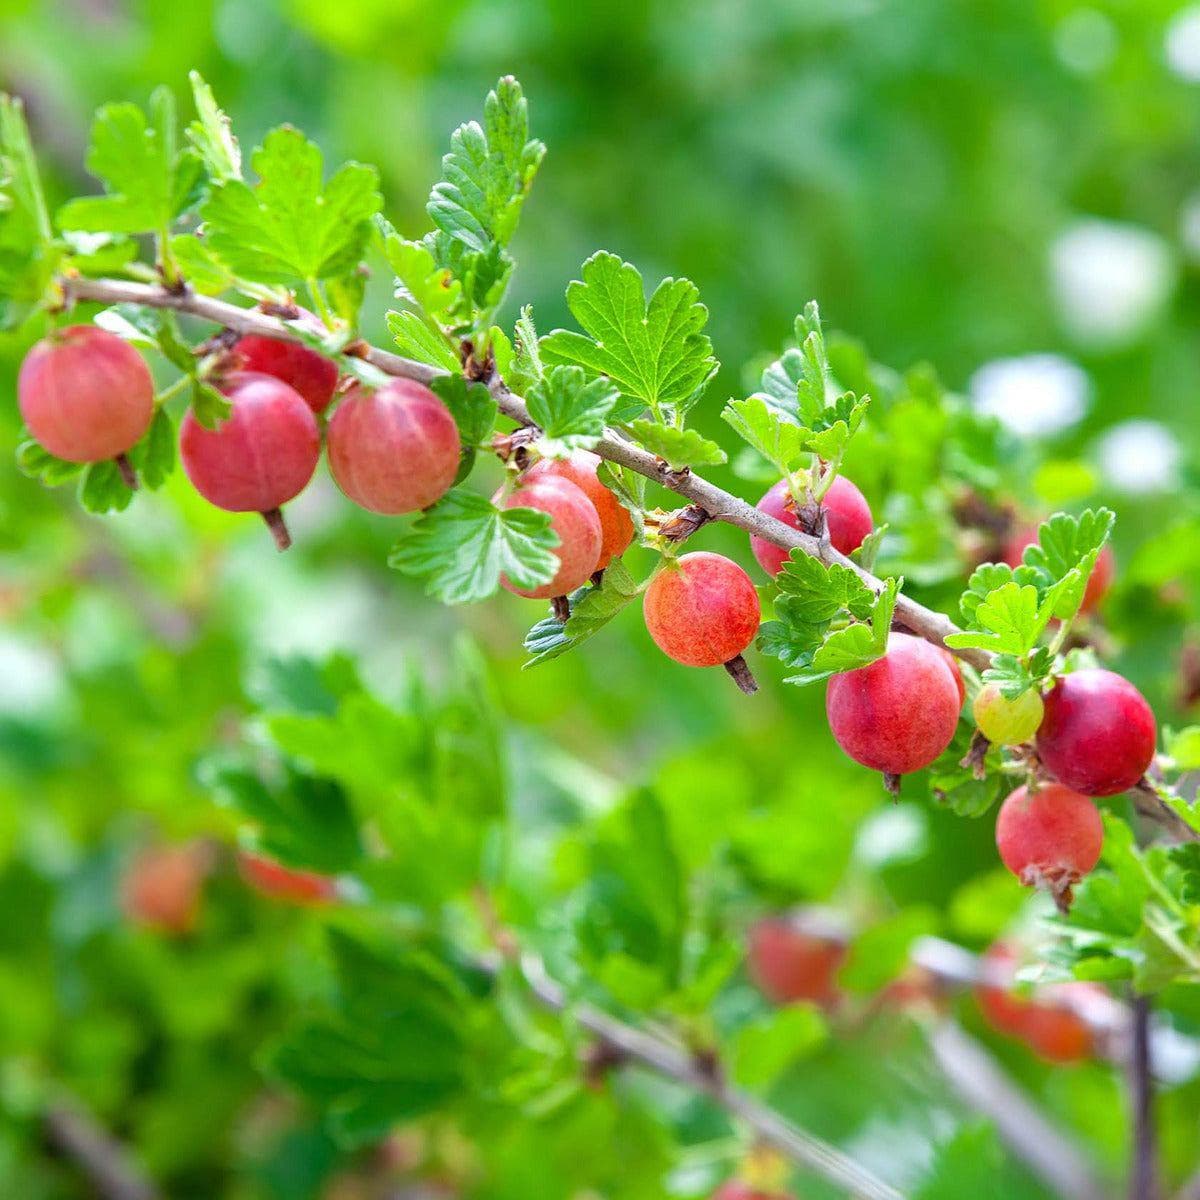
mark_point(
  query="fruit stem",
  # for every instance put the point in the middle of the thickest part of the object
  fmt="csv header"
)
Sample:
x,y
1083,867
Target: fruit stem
x,y
279,530
128,474
739,672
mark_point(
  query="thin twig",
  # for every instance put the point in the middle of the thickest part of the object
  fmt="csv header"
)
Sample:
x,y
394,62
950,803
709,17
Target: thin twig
x,y
676,1063
105,1162
1143,1175
1045,1149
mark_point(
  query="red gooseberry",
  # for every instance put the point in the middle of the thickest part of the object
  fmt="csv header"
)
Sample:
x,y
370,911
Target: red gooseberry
x,y
701,609
307,370
616,525
1098,735
1049,838
574,519
898,713
790,964
847,516
261,456
393,450
85,394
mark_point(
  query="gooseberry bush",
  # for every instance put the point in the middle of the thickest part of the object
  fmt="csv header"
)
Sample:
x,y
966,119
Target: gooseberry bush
x,y
243,286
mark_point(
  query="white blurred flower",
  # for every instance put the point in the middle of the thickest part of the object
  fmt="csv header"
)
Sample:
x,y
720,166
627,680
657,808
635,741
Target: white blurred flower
x,y
30,676
1110,280
1086,41
1036,395
1182,46
1140,456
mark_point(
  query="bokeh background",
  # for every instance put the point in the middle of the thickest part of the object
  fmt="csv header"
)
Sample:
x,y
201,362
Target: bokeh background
x,y
1009,190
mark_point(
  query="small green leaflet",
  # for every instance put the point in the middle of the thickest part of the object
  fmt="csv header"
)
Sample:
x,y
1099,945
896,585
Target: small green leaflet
x,y
211,134
421,280
592,607
854,645
527,366
570,409
462,546
471,405
1009,620
678,448
777,438
289,226
487,173
415,339
101,489
35,461
657,355
148,180
1013,676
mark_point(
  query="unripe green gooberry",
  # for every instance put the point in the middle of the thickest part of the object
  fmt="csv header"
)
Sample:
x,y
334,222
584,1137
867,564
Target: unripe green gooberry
x,y
1007,722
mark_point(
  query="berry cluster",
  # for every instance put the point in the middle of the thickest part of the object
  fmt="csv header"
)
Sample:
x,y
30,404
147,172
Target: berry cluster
x,y
87,396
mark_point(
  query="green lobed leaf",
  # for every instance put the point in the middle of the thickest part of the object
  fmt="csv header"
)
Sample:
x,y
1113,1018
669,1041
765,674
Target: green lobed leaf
x,y
592,607
488,172
420,279
656,355
678,448
570,409
415,339
148,181
38,463
471,405
291,225
462,546
776,437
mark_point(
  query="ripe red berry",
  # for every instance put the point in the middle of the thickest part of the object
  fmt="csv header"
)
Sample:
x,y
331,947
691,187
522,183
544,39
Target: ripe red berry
x,y
847,515
952,663
1049,838
574,518
1046,1020
85,394
898,713
701,609
1098,582
394,450
308,371
1007,722
1098,735
736,1189
789,964
262,455
616,525
285,883
161,887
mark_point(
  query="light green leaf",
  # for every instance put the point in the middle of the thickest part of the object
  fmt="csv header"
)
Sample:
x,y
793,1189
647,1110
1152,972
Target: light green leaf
x,y
211,134
148,181
462,546
570,409
414,339
592,607
290,226
678,448
656,355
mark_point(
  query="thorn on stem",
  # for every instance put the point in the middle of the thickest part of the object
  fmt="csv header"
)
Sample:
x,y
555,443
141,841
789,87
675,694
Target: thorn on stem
x,y
279,530
128,474
740,673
